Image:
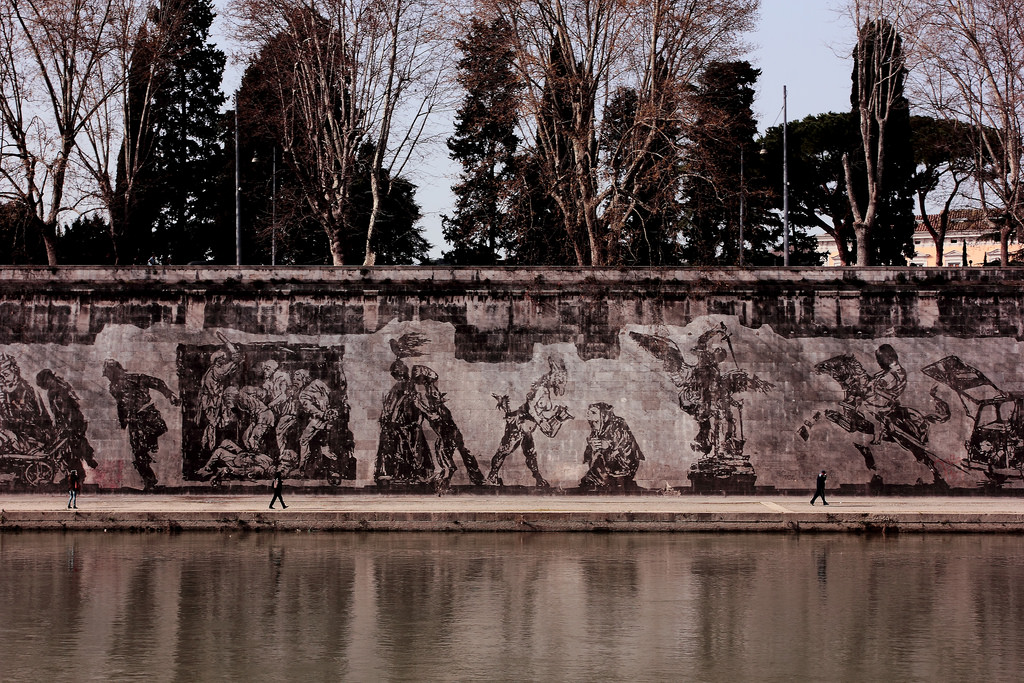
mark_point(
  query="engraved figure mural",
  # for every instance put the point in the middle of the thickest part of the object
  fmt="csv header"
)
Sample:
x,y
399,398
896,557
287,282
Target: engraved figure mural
x,y
137,413
540,409
872,405
69,424
403,455
431,403
995,446
33,451
253,409
707,393
612,452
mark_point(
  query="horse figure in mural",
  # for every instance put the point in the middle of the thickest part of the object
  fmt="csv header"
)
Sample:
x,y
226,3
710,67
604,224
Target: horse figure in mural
x,y
872,405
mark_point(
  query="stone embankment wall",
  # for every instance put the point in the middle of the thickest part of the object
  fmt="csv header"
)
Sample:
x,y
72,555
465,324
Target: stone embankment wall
x,y
580,379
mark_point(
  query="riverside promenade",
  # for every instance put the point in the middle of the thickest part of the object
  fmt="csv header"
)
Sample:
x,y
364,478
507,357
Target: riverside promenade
x,y
461,511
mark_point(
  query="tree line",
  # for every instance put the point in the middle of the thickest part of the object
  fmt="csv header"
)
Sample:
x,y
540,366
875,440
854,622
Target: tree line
x,y
585,132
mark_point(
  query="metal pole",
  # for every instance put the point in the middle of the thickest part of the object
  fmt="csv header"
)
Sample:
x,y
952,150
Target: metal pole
x,y
273,211
238,195
785,183
743,197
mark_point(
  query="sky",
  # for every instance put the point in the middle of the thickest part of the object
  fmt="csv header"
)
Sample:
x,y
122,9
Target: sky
x,y
802,45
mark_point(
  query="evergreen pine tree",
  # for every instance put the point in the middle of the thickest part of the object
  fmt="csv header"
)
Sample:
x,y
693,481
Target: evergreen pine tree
x,y
484,144
186,146
723,131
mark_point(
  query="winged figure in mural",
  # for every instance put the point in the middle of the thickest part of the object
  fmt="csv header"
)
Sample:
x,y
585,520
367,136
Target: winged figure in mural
x,y
408,345
707,392
872,405
706,389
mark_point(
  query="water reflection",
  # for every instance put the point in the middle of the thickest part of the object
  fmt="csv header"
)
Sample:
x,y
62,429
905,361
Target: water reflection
x,y
509,607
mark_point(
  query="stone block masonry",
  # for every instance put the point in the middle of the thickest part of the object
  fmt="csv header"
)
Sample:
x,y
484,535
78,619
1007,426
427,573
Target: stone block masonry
x,y
510,380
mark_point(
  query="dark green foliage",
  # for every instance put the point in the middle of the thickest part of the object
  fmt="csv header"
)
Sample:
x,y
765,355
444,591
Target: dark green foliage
x,y
484,144
539,238
723,131
651,230
21,235
186,149
817,182
86,241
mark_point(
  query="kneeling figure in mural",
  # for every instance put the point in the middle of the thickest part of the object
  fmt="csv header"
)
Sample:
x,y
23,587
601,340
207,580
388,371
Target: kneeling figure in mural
x,y
612,451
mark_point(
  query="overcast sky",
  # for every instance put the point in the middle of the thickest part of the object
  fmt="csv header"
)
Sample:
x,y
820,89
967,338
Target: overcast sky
x,y
801,44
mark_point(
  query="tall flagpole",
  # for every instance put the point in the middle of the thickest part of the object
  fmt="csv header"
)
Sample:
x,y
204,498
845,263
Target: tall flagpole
x,y
785,183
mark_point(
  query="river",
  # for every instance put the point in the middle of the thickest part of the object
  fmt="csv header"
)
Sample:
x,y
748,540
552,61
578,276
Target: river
x,y
510,606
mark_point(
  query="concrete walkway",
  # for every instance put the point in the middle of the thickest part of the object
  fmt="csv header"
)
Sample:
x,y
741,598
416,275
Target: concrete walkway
x,y
469,512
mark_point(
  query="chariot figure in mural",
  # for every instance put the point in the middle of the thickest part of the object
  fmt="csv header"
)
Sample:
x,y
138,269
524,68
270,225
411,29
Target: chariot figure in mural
x,y
32,450
24,423
707,392
612,452
137,413
540,409
995,446
872,405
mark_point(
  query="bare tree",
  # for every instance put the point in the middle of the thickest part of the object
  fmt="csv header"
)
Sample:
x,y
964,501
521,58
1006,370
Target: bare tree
x,y
348,73
50,56
117,140
573,56
944,164
883,27
973,71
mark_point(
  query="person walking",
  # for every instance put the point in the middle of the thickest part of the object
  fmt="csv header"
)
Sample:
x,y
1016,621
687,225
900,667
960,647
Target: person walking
x,y
278,488
819,489
74,484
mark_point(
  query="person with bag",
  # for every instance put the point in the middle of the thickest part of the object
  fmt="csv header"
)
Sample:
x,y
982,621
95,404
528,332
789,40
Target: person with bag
x,y
74,484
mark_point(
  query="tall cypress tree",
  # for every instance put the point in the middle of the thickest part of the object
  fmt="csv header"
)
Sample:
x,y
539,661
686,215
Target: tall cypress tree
x,y
484,144
186,147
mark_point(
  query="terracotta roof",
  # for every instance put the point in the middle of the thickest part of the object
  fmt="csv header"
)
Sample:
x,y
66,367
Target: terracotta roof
x,y
960,220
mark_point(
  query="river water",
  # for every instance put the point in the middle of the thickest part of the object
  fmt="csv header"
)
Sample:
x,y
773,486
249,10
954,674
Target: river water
x,y
517,607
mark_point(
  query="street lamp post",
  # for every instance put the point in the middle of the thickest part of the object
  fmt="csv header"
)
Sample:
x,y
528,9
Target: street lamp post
x,y
785,183
743,202
238,195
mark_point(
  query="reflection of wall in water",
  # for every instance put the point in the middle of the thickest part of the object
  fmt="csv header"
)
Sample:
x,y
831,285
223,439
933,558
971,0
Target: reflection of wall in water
x,y
725,380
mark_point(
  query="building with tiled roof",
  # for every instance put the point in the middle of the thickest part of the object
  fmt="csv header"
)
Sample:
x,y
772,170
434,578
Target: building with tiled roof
x,y
966,229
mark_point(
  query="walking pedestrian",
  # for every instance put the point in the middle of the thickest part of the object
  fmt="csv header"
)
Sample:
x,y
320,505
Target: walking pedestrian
x,y
74,484
278,488
819,489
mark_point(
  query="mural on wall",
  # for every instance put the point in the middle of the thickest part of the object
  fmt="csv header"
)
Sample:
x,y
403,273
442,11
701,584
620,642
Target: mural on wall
x,y
35,449
872,405
252,410
707,392
995,446
189,408
540,409
414,400
612,452
138,414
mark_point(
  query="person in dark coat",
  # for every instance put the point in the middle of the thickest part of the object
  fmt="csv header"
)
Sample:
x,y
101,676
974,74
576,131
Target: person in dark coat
x,y
74,484
278,488
819,490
